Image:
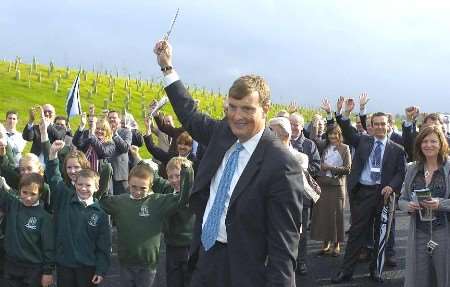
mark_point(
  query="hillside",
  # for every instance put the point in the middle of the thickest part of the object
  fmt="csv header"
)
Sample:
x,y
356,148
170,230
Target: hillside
x,y
23,85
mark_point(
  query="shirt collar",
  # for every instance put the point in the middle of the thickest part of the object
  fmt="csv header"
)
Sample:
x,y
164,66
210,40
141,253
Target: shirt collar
x,y
383,141
86,202
250,145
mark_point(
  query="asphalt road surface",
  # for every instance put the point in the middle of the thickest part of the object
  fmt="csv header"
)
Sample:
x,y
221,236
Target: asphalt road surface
x,y
320,268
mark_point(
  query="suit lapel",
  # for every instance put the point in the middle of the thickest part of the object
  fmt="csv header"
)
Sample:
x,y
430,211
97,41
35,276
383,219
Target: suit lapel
x,y
387,151
250,170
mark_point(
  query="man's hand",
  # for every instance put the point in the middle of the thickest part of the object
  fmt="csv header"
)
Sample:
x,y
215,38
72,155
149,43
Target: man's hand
x,y
149,125
57,145
386,192
43,126
31,115
46,280
340,104
326,106
97,279
293,107
363,100
135,152
83,121
411,113
163,51
91,110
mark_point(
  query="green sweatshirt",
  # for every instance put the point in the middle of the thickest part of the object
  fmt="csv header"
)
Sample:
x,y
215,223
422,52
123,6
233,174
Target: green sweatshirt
x,y
29,233
139,221
178,227
83,235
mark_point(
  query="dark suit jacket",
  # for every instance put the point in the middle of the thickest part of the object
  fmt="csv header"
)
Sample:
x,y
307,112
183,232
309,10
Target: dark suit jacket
x,y
393,164
264,215
34,135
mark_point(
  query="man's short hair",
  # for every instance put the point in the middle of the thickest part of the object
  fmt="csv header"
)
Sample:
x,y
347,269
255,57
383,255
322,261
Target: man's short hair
x,y
114,111
377,114
32,179
12,112
298,117
248,84
58,118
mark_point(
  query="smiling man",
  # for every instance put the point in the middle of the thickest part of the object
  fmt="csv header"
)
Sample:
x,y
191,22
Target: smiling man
x,y
247,192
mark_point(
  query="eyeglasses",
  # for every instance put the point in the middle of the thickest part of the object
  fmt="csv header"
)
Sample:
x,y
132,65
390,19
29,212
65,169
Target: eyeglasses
x,y
48,112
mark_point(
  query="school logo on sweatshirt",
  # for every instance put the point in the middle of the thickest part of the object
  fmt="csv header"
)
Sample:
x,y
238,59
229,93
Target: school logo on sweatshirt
x,y
31,223
93,220
144,211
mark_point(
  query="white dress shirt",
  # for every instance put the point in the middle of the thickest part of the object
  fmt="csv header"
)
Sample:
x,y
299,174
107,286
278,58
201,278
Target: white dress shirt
x,y
244,157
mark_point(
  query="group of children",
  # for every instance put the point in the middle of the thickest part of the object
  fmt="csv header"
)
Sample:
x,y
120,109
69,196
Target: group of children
x,y
59,219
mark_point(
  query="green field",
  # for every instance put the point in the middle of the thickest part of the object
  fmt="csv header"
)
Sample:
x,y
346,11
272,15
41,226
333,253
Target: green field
x,y
105,90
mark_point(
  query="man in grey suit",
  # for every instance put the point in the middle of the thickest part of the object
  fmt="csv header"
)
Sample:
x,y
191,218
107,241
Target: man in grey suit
x,y
119,161
247,194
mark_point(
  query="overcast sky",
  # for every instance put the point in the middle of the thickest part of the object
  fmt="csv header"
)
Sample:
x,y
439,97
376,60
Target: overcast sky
x,y
397,51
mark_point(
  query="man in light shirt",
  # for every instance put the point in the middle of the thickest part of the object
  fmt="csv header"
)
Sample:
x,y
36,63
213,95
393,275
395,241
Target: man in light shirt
x,y
247,193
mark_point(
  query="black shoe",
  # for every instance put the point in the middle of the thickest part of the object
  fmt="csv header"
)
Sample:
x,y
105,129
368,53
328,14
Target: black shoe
x,y
390,261
302,269
374,276
341,277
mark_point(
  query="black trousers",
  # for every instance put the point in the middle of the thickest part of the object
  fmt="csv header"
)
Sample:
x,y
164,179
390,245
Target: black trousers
x,y
75,277
211,269
177,271
367,203
21,274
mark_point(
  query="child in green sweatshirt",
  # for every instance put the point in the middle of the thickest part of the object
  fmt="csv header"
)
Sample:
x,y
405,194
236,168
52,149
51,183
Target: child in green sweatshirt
x,y
83,237
139,216
29,240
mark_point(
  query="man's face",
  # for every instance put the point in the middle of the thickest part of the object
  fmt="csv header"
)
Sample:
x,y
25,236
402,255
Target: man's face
x,y
49,111
139,187
11,121
29,194
85,187
246,116
173,175
296,126
114,120
60,123
380,126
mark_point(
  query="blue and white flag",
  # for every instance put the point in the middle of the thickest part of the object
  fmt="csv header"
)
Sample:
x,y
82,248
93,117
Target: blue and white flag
x,y
73,105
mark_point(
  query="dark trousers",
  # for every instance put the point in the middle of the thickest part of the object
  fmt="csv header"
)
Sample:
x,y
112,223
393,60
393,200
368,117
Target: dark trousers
x,y
302,245
177,272
75,277
212,269
120,186
366,208
22,275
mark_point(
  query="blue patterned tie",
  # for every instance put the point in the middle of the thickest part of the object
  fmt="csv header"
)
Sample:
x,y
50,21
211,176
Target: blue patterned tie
x,y
376,162
210,229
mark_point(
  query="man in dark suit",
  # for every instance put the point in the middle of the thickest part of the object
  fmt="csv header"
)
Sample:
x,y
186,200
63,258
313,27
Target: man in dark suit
x,y
308,147
247,192
378,169
31,131
122,138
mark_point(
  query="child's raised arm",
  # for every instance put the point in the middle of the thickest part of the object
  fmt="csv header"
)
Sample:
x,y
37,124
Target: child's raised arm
x,y
180,199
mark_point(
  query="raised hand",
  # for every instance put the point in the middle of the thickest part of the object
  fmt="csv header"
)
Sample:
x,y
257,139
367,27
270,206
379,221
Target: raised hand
x,y
293,107
43,126
83,121
91,110
135,152
32,114
149,125
97,279
163,51
339,104
57,146
326,106
412,113
363,99
92,125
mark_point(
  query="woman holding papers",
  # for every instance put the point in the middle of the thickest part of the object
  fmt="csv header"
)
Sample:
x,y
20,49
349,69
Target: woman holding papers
x,y
426,190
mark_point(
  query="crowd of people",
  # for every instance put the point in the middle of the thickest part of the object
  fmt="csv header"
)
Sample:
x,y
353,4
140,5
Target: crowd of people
x,y
236,199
